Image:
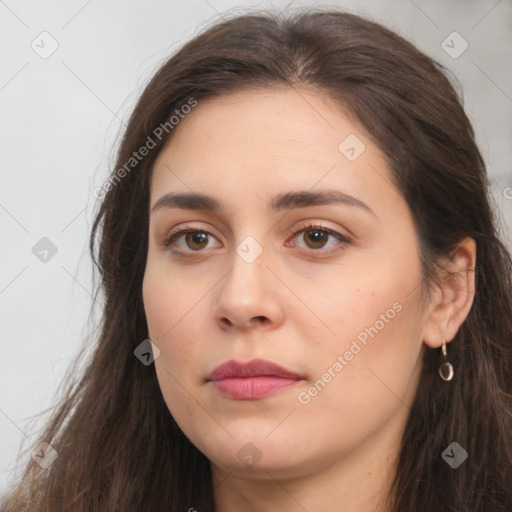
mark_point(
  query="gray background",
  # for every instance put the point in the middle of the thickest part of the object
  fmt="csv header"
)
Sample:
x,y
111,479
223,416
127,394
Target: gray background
x,y
61,116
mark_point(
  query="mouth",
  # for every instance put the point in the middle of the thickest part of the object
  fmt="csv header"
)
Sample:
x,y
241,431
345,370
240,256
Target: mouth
x,y
251,380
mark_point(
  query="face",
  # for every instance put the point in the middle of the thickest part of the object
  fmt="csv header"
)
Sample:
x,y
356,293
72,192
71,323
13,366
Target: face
x,y
304,256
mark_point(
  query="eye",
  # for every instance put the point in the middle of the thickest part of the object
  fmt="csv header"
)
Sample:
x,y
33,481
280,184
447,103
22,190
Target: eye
x,y
194,239
317,237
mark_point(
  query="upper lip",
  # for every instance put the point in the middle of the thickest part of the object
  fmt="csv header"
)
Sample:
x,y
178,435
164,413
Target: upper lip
x,y
253,368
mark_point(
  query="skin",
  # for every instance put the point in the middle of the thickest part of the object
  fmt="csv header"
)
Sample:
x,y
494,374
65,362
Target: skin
x,y
295,304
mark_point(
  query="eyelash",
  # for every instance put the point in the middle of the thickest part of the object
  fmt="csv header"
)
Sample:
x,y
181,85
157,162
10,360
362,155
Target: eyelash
x,y
308,227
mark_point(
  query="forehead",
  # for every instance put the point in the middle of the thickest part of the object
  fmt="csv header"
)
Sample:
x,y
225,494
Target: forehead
x,y
259,143
282,120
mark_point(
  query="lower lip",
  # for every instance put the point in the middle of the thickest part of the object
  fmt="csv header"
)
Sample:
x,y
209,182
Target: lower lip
x,y
252,388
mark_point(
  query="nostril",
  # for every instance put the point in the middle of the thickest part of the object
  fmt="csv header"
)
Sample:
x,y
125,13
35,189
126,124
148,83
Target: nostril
x,y
226,322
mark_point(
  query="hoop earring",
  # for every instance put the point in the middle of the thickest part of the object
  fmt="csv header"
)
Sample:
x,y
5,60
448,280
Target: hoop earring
x,y
446,369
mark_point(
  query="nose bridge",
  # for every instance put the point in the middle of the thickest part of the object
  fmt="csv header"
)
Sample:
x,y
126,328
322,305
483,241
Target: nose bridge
x,y
246,291
246,280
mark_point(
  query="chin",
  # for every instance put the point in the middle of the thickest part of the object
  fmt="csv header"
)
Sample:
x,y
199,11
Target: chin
x,y
261,457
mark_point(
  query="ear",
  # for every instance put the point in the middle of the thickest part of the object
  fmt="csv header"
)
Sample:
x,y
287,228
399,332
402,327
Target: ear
x,y
452,300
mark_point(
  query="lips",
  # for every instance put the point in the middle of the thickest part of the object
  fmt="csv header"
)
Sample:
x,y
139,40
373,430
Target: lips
x,y
251,380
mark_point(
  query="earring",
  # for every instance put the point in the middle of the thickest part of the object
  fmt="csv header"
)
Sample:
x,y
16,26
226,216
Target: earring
x,y
446,369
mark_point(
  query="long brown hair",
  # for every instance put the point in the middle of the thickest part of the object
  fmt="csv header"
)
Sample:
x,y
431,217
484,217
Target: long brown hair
x,y
118,445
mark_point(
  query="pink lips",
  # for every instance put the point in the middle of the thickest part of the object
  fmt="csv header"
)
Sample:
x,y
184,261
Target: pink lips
x,y
252,380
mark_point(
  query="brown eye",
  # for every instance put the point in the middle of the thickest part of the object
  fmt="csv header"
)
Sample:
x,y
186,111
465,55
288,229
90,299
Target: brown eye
x,y
196,240
188,240
317,237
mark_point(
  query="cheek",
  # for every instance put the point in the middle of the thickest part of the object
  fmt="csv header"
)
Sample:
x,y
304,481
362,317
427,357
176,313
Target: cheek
x,y
170,300
178,394
170,317
375,343
374,299
351,399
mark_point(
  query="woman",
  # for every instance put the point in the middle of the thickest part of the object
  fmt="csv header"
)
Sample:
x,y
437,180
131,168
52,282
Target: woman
x,y
307,303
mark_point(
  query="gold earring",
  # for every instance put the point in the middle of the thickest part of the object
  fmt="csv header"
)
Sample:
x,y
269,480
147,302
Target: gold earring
x,y
446,369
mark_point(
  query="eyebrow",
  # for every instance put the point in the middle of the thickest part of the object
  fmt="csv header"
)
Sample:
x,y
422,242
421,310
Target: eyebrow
x,y
286,201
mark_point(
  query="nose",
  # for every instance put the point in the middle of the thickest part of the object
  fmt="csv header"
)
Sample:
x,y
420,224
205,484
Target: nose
x,y
248,297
